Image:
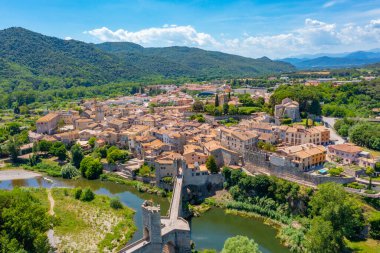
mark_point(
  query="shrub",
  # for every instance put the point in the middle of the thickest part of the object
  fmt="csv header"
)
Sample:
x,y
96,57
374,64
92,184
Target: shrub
x,y
52,169
69,171
87,195
77,193
355,185
115,203
374,222
334,172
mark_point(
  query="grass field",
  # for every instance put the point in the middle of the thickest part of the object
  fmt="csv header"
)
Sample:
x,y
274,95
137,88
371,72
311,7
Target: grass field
x,y
367,246
90,226
87,226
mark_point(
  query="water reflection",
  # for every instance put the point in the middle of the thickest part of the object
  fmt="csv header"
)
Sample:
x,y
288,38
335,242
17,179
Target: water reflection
x,y
214,227
208,231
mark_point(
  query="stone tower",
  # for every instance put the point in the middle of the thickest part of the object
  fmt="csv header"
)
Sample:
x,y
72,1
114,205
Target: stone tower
x,y
152,225
99,112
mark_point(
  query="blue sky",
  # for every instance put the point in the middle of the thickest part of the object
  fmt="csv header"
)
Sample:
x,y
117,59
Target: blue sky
x,y
250,28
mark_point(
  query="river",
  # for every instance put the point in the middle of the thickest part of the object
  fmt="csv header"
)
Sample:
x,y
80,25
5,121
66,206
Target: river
x,y
208,231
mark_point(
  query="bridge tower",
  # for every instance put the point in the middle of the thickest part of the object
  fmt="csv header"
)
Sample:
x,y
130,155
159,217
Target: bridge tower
x,y
152,225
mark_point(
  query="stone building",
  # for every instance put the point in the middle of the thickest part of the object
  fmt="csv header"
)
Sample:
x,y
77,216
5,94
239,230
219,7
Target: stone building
x,y
48,123
287,108
306,156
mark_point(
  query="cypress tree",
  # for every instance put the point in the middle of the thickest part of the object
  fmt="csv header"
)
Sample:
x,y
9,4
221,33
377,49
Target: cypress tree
x,y
216,100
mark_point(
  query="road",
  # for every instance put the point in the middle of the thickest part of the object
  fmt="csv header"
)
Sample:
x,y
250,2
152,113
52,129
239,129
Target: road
x,y
333,134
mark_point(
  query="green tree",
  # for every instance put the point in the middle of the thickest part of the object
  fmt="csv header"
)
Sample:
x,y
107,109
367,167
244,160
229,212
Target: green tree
x,y
91,168
114,155
225,108
58,149
14,128
44,146
315,107
24,109
145,171
197,106
216,100
333,204
335,172
240,244
23,223
13,149
377,167
76,155
321,238
211,164
370,173
92,141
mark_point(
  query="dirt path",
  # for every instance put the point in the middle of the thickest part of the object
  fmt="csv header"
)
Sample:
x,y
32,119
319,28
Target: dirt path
x,y
52,240
52,203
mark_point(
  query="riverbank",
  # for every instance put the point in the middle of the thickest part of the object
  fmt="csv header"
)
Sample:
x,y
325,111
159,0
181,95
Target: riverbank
x,y
286,229
14,174
85,226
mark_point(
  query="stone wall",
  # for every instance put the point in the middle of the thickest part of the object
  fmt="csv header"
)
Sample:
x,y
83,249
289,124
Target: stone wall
x,y
259,161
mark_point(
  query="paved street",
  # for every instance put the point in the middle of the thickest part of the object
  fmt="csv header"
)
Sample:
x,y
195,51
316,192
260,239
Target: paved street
x,y
334,135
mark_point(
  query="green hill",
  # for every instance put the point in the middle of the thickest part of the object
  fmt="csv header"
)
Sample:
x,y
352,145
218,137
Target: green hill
x,y
39,68
45,56
195,62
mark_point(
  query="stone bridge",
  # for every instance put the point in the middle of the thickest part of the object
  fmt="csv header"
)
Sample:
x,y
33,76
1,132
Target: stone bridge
x,y
167,234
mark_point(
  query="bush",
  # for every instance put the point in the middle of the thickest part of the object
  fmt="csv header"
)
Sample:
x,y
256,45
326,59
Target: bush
x,y
69,171
115,203
286,121
355,185
87,195
52,169
374,223
77,193
334,172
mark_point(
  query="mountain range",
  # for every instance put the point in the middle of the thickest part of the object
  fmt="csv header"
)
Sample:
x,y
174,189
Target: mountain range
x,y
343,60
27,54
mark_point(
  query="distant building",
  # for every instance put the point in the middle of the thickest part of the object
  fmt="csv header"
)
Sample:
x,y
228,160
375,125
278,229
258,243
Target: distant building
x,y
287,108
298,135
349,153
48,123
305,156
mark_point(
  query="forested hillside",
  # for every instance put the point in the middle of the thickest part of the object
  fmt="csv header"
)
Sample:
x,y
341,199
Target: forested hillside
x,y
348,100
36,68
201,63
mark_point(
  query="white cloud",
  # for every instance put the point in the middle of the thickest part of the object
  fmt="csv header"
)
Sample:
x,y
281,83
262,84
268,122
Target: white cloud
x,y
68,38
163,36
332,3
314,36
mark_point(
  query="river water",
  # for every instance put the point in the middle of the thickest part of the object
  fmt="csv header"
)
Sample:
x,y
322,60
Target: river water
x,y
208,231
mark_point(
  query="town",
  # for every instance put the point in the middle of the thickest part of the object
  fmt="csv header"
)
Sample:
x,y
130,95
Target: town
x,y
172,129
197,143
190,126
